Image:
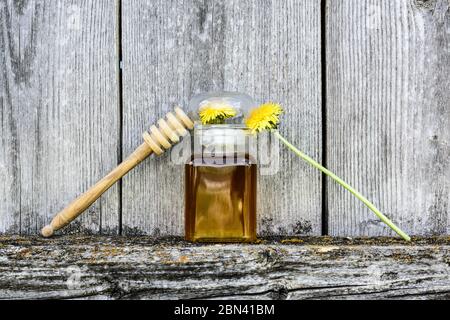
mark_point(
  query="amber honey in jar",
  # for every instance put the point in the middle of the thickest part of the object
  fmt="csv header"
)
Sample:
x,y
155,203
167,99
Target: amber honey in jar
x,y
220,200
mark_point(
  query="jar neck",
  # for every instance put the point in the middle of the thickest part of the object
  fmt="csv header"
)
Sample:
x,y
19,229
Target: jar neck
x,y
226,143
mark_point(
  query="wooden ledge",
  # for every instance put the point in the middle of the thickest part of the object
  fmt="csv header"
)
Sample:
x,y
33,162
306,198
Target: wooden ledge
x,y
288,268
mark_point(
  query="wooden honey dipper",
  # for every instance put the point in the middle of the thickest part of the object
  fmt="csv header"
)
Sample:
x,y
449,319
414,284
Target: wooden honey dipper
x,y
155,141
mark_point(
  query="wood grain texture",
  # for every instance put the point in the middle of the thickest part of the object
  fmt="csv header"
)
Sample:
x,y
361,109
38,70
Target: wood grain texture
x,y
388,114
267,49
145,268
59,115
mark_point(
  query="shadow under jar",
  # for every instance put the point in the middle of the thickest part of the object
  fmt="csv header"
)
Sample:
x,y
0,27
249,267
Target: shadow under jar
x,y
220,185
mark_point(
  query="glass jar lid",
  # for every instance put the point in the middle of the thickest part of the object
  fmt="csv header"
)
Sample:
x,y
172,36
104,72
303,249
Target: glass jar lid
x,y
240,103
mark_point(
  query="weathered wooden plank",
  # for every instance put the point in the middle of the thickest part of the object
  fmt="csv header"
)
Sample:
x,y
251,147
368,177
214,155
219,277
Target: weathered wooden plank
x,y
268,49
388,107
58,111
146,268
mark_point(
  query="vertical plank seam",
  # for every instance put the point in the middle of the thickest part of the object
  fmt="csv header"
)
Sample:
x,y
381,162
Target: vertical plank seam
x,y
323,53
120,106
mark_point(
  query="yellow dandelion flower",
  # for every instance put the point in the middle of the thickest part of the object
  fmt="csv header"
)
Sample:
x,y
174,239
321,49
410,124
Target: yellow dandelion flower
x,y
265,117
216,113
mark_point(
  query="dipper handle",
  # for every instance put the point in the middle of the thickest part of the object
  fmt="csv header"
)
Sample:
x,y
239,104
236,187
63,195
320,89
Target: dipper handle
x,y
154,142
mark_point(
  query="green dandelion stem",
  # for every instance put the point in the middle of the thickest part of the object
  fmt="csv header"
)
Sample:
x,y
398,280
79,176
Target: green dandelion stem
x,y
315,164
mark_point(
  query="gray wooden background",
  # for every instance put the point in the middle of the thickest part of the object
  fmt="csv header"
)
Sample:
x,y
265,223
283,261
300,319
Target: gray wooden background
x,y
365,85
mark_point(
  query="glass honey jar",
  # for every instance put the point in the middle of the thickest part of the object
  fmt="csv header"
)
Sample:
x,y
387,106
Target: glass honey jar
x,y
221,176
